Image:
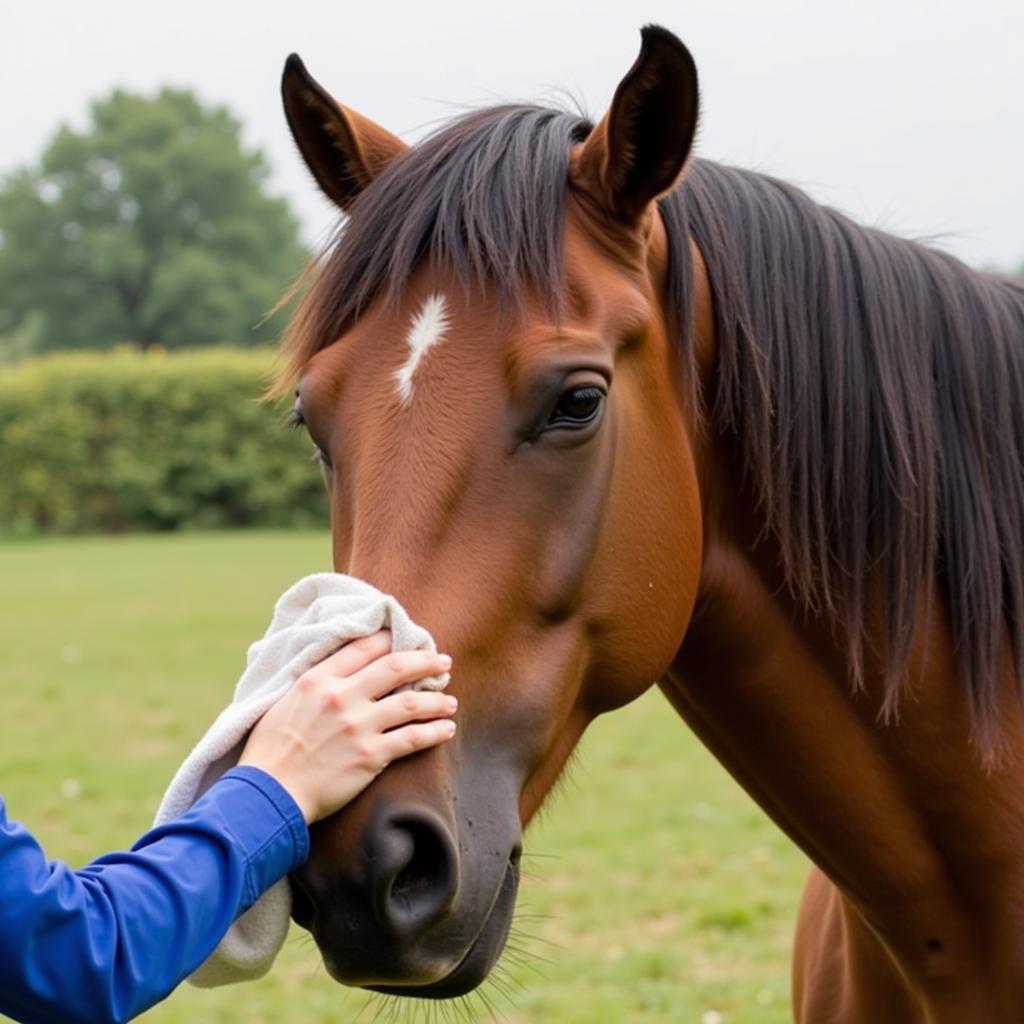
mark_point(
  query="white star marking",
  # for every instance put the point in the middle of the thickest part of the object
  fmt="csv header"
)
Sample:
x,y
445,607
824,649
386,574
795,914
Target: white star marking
x,y
427,329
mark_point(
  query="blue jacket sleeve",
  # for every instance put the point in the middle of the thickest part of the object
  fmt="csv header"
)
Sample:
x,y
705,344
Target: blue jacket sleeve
x,y
105,943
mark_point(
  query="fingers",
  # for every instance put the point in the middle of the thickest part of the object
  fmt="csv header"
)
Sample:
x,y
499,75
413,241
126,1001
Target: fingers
x,y
352,694
408,739
355,655
411,706
370,664
399,668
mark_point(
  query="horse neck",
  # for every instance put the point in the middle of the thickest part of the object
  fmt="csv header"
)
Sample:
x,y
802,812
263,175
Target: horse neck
x,y
888,809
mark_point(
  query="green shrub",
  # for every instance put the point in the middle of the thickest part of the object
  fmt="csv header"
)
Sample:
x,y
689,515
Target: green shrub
x,y
123,441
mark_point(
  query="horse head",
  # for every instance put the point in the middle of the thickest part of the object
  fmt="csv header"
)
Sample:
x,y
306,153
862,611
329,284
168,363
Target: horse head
x,y
486,367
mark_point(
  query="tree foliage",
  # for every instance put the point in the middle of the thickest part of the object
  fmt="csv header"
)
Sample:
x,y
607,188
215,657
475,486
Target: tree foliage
x,y
151,227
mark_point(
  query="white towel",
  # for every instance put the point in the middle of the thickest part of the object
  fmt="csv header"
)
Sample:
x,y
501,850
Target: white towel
x,y
311,620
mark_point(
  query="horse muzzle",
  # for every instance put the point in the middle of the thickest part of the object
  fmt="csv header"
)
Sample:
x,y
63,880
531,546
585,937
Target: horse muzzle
x,y
405,900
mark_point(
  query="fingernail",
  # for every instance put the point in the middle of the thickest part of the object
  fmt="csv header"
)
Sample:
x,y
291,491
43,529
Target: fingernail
x,y
452,703
445,660
449,726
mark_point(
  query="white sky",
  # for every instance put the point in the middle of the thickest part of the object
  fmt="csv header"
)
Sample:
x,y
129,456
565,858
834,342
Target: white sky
x,y
906,113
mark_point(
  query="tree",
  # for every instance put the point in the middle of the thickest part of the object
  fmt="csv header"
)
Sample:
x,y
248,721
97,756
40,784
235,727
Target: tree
x,y
151,227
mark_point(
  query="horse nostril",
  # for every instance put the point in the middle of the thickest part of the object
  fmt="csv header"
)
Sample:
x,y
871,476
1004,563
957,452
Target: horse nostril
x,y
427,865
414,874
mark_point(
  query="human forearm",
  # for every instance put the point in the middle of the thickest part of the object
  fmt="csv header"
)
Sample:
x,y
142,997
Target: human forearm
x,y
106,942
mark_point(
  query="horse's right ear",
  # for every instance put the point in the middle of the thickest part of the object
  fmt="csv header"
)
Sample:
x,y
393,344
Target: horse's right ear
x,y
639,149
344,150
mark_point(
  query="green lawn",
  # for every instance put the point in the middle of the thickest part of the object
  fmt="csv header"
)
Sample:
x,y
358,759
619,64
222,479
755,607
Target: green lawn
x,y
657,891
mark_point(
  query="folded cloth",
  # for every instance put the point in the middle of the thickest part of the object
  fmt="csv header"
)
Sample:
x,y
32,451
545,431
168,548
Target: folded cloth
x,y
311,620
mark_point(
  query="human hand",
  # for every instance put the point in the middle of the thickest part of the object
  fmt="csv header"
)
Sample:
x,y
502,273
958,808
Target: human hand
x,y
335,730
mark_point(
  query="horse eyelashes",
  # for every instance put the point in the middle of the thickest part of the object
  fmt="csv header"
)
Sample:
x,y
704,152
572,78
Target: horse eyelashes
x,y
296,421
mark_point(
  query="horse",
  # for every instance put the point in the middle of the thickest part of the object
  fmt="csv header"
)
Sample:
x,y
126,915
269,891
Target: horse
x,y
606,416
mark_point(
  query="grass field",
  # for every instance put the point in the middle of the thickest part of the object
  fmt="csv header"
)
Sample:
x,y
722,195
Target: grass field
x,y
657,891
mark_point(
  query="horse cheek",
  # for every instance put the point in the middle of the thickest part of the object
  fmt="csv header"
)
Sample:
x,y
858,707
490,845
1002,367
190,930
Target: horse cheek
x,y
649,567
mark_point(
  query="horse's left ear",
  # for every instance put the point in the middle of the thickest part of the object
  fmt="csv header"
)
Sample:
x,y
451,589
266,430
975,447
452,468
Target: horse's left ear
x,y
344,150
640,147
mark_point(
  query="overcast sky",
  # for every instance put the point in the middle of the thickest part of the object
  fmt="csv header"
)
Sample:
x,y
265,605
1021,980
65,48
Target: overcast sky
x,y
906,114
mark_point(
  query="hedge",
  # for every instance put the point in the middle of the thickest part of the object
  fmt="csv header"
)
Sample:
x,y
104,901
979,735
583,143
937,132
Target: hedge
x,y
159,441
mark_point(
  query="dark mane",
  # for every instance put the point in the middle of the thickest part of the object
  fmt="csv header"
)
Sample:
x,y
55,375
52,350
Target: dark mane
x,y
876,387
877,391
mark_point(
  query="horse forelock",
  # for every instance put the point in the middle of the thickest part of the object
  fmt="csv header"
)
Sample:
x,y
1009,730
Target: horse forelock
x,y
483,197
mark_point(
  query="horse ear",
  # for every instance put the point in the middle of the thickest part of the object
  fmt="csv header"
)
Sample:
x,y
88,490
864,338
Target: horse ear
x,y
640,147
344,150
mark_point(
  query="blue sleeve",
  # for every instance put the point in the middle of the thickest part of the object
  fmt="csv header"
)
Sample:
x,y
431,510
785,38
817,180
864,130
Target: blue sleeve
x,y
107,942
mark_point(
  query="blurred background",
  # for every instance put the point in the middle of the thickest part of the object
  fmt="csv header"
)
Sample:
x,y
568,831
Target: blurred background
x,y
152,212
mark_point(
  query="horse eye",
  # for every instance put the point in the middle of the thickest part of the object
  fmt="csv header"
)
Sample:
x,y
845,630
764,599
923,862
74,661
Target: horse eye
x,y
577,407
297,421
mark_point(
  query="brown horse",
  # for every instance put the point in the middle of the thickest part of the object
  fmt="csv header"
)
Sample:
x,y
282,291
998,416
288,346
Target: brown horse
x,y
603,415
